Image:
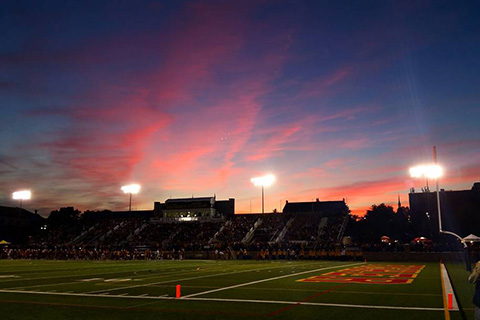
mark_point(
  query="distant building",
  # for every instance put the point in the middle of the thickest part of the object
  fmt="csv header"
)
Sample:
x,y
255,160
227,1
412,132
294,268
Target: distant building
x,y
460,211
322,208
186,209
17,224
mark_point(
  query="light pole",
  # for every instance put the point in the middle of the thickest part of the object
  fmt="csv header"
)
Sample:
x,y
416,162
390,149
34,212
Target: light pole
x,y
22,195
264,181
434,171
131,189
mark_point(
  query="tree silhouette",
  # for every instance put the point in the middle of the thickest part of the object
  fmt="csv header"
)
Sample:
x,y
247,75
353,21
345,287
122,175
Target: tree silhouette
x,y
64,217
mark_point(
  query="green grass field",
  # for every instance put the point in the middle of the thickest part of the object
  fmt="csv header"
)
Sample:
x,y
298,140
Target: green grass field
x,y
217,290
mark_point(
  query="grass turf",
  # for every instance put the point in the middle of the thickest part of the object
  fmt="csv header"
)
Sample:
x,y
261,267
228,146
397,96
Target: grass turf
x,y
463,289
210,290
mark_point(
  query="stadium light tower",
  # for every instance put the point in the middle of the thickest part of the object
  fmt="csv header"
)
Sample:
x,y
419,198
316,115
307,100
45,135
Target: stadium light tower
x,y
433,171
131,189
264,181
22,195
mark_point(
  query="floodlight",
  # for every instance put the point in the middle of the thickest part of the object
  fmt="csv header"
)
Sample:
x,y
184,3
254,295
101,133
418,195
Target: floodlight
x,y
131,188
22,195
432,171
264,181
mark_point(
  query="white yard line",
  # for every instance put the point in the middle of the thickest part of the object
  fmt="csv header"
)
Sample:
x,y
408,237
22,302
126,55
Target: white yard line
x,y
86,280
106,295
269,279
45,285
69,276
226,300
95,273
319,304
191,278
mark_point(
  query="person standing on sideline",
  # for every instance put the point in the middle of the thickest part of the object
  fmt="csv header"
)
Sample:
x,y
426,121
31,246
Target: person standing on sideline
x,y
475,278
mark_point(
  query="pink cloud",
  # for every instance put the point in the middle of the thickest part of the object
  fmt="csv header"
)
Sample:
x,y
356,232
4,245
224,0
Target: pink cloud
x,y
120,130
323,85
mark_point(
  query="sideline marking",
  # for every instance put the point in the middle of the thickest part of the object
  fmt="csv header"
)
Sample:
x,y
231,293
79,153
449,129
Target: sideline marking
x,y
226,300
265,280
448,289
445,310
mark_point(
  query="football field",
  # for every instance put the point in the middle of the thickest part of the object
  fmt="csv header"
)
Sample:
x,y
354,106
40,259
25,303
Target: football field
x,y
221,290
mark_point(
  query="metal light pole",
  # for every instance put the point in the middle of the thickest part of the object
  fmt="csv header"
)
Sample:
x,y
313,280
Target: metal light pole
x,y
263,200
438,192
264,181
435,171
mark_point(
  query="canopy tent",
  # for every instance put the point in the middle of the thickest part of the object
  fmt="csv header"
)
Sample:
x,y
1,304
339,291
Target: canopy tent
x,y
385,239
471,238
422,240
4,242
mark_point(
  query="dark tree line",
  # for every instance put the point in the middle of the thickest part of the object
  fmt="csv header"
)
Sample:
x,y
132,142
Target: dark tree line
x,y
381,220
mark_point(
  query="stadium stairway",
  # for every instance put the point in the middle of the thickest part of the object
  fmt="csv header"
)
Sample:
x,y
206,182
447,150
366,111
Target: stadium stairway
x,y
321,226
136,231
342,228
249,236
83,235
227,223
284,230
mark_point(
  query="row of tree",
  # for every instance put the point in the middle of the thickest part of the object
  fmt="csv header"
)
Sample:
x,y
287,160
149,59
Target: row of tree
x,y
381,220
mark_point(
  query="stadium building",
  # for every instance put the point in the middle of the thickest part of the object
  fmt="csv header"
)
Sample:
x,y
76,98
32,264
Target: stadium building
x,y
194,209
460,211
17,224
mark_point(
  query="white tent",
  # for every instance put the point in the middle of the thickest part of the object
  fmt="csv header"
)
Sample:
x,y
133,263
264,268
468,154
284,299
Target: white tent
x,y
471,238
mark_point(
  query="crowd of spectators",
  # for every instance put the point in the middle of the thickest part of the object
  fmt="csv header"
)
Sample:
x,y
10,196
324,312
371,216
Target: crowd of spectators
x,y
153,235
235,230
306,237
194,235
271,225
303,228
120,233
328,235
143,238
93,253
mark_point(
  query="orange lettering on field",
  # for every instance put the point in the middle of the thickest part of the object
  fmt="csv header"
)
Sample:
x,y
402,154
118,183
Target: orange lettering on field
x,y
371,274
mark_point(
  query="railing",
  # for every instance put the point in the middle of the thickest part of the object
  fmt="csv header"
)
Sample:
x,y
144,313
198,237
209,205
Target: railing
x,y
284,231
342,228
248,237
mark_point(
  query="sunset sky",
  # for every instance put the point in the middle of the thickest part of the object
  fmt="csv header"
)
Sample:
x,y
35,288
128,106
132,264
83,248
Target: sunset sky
x,y
336,98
